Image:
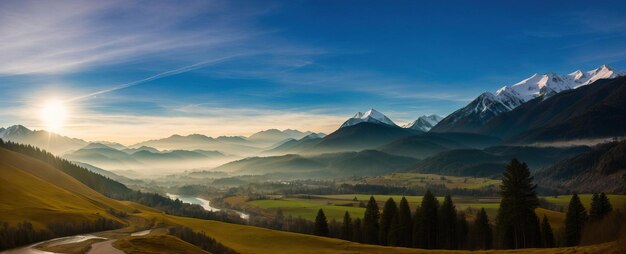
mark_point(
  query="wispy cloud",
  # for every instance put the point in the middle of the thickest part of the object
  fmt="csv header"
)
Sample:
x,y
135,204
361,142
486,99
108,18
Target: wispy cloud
x,y
67,36
155,77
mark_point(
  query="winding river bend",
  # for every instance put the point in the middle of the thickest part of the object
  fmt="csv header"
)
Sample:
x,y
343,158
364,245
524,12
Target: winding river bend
x,y
206,204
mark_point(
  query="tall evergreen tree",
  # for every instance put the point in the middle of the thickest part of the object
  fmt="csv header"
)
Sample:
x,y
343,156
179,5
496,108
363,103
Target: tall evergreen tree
x,y
462,231
321,224
416,229
482,233
447,224
546,233
346,227
405,224
357,230
574,221
517,224
371,227
393,238
389,211
595,212
426,234
605,204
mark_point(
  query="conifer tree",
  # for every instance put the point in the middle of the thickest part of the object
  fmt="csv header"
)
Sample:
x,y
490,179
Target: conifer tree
x,y
482,233
595,212
405,224
371,218
546,233
357,230
605,204
393,238
346,227
574,221
321,224
416,229
517,224
447,224
462,231
389,212
426,234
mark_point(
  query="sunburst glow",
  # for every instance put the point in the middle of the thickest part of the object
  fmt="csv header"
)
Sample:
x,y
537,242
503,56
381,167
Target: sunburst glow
x,y
53,115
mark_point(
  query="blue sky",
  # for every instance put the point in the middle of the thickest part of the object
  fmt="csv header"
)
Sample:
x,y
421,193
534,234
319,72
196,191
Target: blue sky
x,y
236,67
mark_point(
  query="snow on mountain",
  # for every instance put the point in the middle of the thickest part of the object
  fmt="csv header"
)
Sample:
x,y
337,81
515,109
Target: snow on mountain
x,y
489,105
552,83
371,116
424,123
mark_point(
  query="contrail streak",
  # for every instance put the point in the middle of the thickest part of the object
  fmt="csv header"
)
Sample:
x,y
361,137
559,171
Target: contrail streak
x,y
154,77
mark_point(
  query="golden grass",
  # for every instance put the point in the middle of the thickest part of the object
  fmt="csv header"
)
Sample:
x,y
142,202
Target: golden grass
x,y
29,195
155,244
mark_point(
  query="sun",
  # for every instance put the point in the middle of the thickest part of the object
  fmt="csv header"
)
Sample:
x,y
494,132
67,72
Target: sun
x,y
53,115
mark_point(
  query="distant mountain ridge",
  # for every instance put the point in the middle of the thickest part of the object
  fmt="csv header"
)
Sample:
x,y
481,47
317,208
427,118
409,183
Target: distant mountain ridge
x,y
370,116
52,142
103,156
274,136
367,162
361,136
488,105
602,169
424,123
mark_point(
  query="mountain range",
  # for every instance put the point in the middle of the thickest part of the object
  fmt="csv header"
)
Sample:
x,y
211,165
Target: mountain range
x,y
533,117
52,142
489,105
146,158
424,123
597,111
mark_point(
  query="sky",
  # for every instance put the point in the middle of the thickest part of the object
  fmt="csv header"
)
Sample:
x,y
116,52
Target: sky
x,y
128,71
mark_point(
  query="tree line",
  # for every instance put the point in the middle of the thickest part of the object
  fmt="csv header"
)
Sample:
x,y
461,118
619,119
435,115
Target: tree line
x,y
435,225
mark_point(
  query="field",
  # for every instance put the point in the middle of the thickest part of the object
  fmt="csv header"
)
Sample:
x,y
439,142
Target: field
x,y
423,180
618,201
334,206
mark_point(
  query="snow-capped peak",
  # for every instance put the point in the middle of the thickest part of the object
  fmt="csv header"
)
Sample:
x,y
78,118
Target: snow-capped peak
x,y
371,116
552,83
424,123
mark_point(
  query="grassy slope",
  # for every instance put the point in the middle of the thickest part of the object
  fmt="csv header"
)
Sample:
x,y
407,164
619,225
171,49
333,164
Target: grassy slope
x,y
156,244
28,192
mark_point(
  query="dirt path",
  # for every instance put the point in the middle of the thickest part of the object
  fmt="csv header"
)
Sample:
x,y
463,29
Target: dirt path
x,y
105,247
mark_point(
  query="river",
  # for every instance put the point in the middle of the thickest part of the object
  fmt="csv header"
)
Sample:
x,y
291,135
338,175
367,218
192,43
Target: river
x,y
206,204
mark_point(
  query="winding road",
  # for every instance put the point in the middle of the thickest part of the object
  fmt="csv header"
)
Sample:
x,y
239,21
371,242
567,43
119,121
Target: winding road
x,y
104,247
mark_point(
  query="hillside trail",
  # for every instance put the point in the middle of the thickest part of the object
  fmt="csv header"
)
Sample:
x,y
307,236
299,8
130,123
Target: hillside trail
x,y
101,247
